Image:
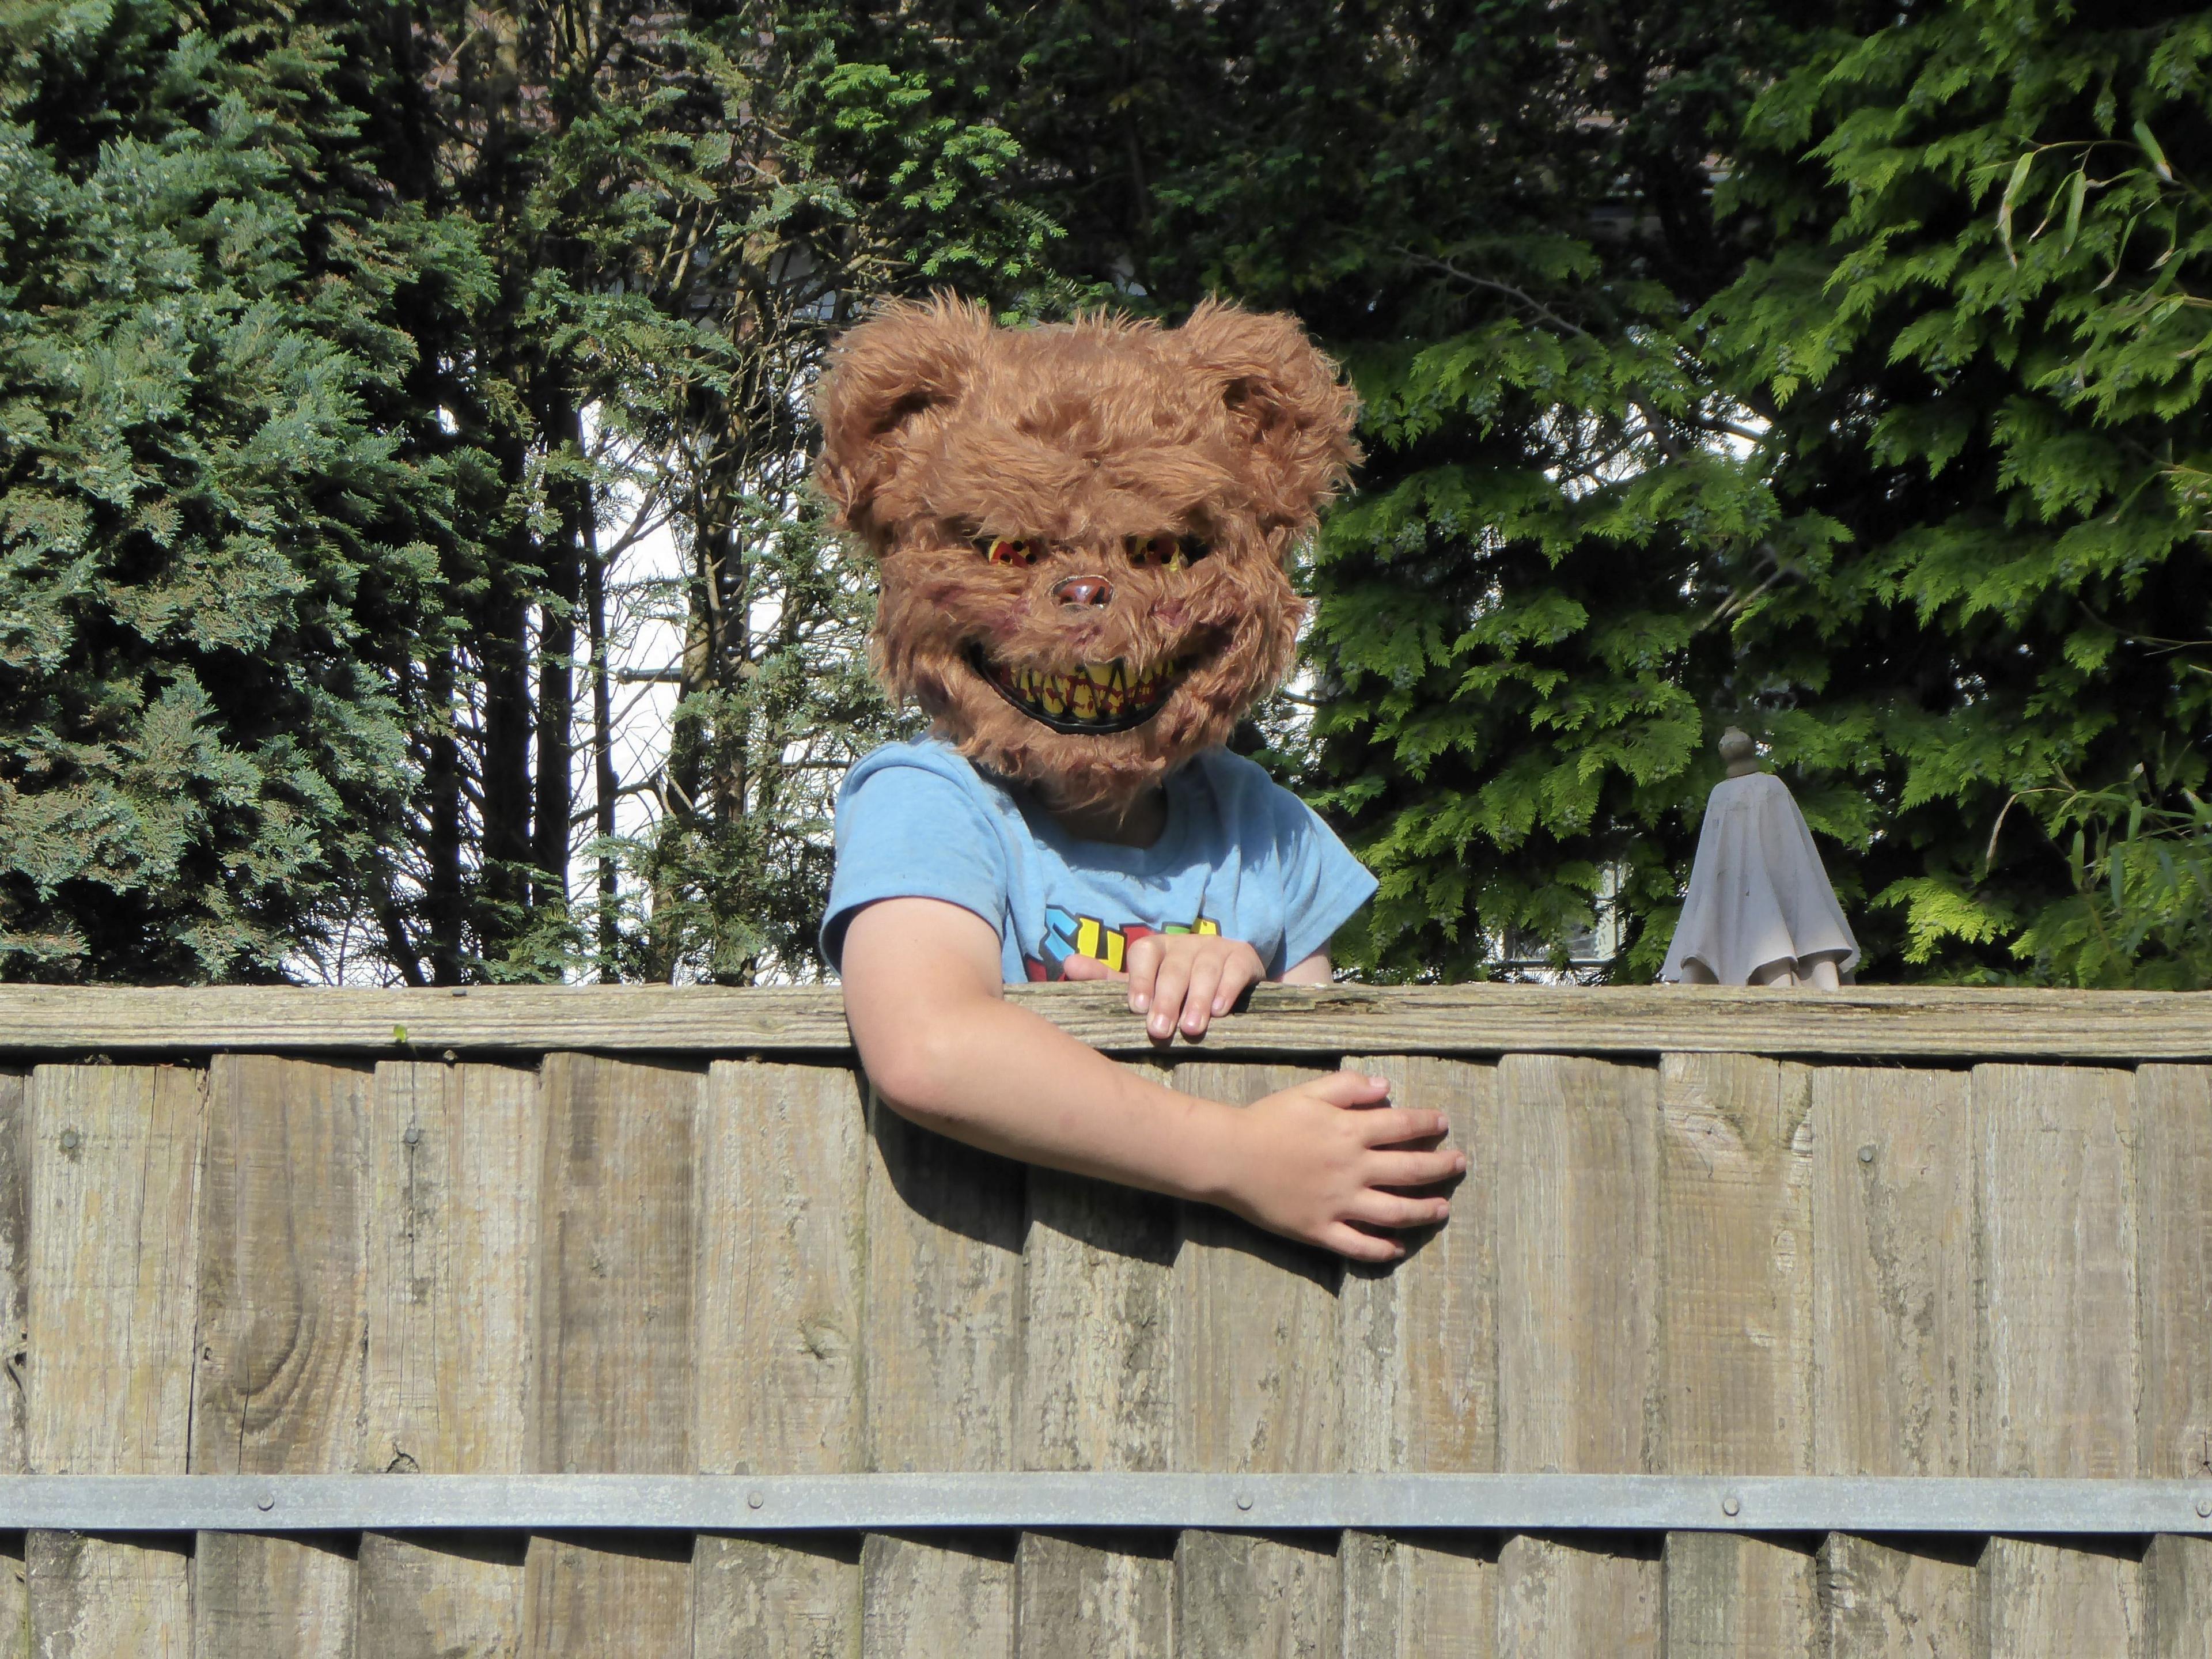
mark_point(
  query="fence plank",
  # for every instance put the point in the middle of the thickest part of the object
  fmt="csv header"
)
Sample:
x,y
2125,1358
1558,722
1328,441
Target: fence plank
x,y
2173,1195
613,1346
108,1598
1418,1360
1886,1601
2173,1185
114,1152
278,1388
1094,1596
781,1193
942,1337
452,1215
1572,1598
14,1270
1736,1330
1098,1357
1422,1597
927,1599
1256,1359
1577,1345
441,1595
2179,1571
1877,1023
1894,1339
787,1600
2057,1236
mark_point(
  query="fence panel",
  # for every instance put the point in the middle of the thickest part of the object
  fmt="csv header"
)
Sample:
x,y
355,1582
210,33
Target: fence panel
x,y
1684,1259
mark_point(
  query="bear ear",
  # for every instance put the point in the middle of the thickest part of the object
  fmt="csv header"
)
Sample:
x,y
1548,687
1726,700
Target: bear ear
x,y
911,357
1284,399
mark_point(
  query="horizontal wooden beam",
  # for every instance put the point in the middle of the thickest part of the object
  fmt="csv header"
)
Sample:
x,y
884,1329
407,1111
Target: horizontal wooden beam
x,y
1888,1023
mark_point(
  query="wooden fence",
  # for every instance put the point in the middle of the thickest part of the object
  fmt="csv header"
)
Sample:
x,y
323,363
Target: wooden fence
x,y
1706,1232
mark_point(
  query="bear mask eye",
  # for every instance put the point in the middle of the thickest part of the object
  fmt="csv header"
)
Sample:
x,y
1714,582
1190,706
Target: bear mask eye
x,y
1007,550
1165,552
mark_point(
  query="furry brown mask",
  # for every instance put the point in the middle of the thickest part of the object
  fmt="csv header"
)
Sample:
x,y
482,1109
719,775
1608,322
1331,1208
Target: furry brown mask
x,y
1082,528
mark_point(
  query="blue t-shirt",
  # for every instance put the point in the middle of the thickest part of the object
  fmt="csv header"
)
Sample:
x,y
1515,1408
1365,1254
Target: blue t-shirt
x,y
1239,856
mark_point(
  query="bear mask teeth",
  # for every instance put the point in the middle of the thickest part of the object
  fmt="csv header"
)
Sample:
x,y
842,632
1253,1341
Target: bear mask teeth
x,y
1098,697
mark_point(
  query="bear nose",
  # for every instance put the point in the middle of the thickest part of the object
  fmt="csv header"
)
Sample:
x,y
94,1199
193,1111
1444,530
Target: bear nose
x,y
1082,592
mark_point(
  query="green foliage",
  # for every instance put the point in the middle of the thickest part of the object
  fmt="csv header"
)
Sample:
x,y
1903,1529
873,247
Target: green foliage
x,y
214,544
1978,336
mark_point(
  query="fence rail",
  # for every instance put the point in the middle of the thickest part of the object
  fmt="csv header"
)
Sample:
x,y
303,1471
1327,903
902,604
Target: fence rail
x,y
1918,1282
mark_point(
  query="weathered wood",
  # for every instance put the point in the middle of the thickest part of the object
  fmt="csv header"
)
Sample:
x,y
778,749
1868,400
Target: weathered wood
x,y
1736,1330
1885,1600
453,1157
1418,1338
1571,1598
278,1385
2058,1242
1418,1359
114,1258
924,1599
15,1599
2064,1602
1276,1598
612,1346
2173,1197
1894,1338
1578,1342
942,1334
1255,1377
784,1600
113,1254
781,1193
15,1272
442,1596
2179,1575
257,1597
1420,1597
107,1598
1866,1022
1096,1596
1730,1596
1095,1393
611,1595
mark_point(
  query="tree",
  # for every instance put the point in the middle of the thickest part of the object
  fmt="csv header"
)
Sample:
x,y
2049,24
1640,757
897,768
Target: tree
x,y
220,531
1978,331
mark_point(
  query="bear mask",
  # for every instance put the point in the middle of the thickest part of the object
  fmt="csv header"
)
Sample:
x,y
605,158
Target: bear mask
x,y
1081,528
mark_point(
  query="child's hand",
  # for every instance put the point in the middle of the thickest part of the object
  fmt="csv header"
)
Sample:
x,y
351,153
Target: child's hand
x,y
1320,1161
1180,979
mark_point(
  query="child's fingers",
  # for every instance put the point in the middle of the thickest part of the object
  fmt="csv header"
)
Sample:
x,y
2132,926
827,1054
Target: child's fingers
x,y
1350,1088
1168,994
1414,1168
1200,1000
1241,967
1346,1240
1143,962
1086,967
1396,1210
1389,1126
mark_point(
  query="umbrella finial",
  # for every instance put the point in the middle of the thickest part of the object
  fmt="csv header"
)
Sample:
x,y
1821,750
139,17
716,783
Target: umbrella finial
x,y
1739,751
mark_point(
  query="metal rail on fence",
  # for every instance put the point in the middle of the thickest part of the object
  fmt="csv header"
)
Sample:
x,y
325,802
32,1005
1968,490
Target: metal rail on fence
x,y
880,1502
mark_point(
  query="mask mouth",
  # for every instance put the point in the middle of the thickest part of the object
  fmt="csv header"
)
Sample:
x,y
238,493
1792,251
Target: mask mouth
x,y
1097,698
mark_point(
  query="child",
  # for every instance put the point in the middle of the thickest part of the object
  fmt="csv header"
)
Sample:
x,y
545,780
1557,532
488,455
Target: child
x,y
1081,532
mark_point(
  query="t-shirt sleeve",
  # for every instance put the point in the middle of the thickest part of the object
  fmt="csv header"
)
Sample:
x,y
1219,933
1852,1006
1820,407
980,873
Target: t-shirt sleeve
x,y
1323,883
907,832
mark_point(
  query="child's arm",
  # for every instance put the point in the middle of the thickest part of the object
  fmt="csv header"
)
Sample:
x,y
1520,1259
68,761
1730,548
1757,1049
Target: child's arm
x,y
943,1045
